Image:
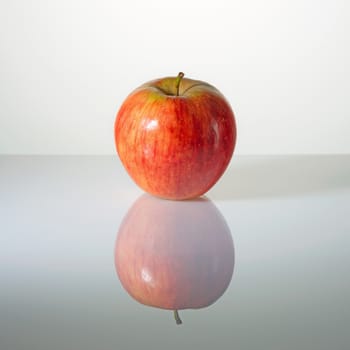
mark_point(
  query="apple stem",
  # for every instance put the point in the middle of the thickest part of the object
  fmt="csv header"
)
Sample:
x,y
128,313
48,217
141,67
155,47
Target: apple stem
x,y
178,81
177,317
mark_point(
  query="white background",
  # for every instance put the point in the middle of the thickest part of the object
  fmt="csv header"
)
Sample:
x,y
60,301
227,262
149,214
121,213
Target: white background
x,y
66,66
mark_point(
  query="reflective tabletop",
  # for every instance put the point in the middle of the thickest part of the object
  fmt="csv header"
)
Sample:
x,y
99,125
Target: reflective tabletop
x,y
88,261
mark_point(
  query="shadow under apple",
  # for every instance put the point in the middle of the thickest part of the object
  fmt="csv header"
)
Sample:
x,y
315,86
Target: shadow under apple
x,y
174,255
257,177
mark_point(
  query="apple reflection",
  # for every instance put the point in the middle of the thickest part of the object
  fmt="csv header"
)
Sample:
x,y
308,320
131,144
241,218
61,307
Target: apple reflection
x,y
174,254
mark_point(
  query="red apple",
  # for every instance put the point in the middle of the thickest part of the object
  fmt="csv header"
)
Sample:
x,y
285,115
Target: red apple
x,y
175,136
174,254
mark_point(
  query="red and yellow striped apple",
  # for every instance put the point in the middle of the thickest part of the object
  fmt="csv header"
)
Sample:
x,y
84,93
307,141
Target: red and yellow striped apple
x,y
175,136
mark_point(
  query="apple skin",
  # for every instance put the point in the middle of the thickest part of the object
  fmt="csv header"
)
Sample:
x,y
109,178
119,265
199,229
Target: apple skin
x,y
175,146
174,254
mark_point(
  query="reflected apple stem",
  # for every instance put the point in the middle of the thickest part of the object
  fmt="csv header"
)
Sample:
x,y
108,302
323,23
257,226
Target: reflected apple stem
x,y
177,317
